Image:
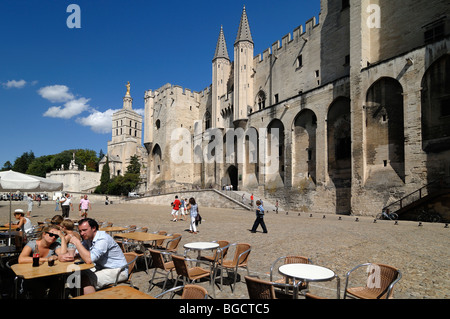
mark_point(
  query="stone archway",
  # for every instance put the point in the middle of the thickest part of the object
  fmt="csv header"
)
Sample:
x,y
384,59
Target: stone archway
x,y
232,176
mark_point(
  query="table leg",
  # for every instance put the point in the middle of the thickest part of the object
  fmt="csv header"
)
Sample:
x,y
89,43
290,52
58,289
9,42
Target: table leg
x,y
338,288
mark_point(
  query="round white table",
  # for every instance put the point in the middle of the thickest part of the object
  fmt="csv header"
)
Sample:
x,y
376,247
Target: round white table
x,y
308,273
200,246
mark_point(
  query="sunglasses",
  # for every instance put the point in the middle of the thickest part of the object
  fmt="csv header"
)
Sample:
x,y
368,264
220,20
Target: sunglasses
x,y
52,235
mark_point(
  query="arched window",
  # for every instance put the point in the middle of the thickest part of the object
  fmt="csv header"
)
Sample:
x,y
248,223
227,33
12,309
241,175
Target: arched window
x,y
261,100
207,120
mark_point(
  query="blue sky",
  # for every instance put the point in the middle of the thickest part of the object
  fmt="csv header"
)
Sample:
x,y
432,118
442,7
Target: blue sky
x,y
59,86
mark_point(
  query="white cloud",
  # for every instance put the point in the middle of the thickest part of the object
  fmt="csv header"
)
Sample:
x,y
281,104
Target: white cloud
x,y
13,84
69,110
56,93
99,122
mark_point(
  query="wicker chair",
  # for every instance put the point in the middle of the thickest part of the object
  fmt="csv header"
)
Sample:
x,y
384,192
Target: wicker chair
x,y
240,260
281,283
159,242
259,289
189,292
220,253
131,262
172,245
160,265
191,273
379,285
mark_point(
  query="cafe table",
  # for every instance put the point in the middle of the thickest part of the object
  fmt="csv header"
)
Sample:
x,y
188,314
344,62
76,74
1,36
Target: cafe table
x,y
112,229
3,228
200,246
142,237
27,271
117,292
308,273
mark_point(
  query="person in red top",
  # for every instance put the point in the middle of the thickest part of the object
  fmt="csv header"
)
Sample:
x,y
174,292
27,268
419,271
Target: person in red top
x,y
251,199
175,207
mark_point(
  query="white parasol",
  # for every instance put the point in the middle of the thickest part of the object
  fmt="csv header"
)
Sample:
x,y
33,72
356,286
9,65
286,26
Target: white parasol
x,y
11,181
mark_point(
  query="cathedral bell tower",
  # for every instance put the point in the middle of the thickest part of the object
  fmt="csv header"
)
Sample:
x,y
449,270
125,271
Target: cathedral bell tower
x,y
243,70
126,135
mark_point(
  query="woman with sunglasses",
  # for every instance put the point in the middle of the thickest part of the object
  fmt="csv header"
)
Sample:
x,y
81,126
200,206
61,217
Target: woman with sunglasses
x,y
45,287
47,243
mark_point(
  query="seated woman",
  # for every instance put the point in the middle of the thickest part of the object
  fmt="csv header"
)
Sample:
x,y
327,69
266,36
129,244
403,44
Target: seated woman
x,y
23,223
48,247
47,244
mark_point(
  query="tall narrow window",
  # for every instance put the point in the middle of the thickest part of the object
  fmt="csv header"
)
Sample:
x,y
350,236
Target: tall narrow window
x,y
261,100
299,61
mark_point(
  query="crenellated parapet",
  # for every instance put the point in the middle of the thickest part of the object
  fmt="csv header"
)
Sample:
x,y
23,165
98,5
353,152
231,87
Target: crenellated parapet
x,y
299,34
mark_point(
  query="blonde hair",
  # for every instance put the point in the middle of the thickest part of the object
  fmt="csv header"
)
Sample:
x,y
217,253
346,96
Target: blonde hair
x,y
68,224
47,229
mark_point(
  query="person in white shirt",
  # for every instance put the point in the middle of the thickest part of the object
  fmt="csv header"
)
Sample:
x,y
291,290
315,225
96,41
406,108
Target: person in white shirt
x,y
24,223
66,204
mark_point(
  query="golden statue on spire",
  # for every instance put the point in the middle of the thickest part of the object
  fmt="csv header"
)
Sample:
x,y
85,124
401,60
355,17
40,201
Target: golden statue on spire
x,y
128,88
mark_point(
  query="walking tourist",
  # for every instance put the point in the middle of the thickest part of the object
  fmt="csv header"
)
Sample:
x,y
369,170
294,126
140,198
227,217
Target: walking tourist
x,y
195,216
259,218
57,204
84,206
30,205
182,209
175,207
66,205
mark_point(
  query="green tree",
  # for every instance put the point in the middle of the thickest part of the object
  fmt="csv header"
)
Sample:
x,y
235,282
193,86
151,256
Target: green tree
x,y
105,179
122,185
40,166
21,163
88,158
135,165
7,166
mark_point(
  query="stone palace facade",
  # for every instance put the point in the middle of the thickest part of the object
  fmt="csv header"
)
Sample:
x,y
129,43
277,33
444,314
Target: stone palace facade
x,y
352,108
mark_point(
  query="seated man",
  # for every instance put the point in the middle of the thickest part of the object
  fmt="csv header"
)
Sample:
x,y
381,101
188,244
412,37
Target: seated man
x,y
101,249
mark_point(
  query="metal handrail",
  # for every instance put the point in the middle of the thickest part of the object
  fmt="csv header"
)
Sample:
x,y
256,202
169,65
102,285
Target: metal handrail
x,y
419,191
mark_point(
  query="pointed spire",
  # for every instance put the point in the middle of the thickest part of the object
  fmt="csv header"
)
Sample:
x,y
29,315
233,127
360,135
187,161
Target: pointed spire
x,y
221,48
244,33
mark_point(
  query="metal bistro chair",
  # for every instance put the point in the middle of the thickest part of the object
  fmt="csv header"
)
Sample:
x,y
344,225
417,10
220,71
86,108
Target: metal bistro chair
x,y
189,292
379,284
19,282
191,273
172,244
160,265
260,289
281,283
131,262
240,260
221,252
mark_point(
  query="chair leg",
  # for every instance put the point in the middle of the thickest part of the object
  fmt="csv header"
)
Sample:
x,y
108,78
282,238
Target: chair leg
x,y
151,281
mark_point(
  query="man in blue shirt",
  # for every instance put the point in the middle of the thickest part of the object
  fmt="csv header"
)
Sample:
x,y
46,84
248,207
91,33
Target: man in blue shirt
x,y
259,218
100,249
